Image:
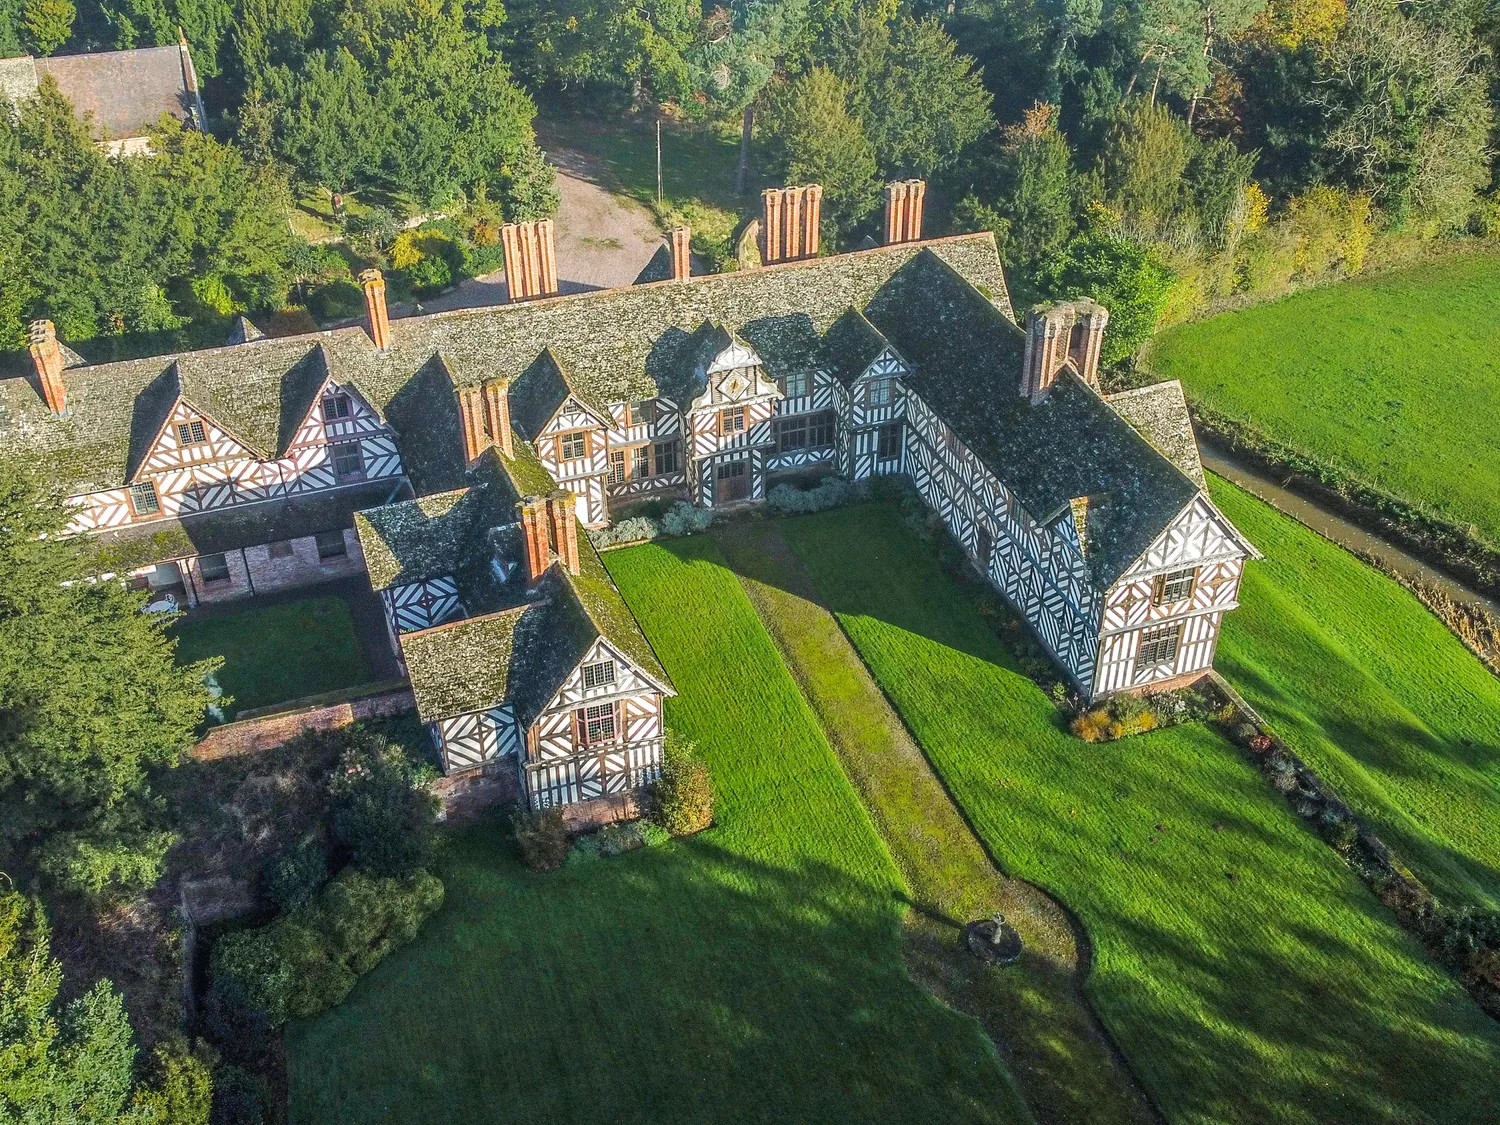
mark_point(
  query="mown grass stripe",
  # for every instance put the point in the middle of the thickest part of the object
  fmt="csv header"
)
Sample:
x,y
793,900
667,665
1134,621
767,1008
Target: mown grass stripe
x,y
1248,976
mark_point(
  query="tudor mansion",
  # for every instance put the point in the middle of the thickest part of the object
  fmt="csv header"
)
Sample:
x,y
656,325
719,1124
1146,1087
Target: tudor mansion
x,y
453,457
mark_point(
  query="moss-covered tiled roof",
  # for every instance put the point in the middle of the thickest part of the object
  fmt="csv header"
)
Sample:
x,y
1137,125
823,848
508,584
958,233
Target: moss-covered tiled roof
x,y
1160,413
521,654
243,525
966,357
606,608
607,342
851,344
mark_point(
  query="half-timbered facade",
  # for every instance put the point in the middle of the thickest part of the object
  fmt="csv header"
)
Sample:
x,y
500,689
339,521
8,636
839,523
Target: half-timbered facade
x,y
472,441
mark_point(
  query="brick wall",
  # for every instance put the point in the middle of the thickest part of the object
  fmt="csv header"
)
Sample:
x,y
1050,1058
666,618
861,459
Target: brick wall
x,y
253,570
250,736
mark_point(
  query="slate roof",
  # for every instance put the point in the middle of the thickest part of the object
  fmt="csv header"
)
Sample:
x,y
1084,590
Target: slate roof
x,y
850,345
1160,413
241,525
18,78
524,653
456,534
126,91
607,345
966,359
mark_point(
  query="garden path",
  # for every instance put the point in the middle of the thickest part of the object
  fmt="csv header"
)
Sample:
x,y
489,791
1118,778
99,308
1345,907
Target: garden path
x,y
1035,1011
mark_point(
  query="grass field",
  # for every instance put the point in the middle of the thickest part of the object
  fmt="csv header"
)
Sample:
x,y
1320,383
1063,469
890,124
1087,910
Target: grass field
x,y
273,653
1391,380
752,973
1247,975
1375,694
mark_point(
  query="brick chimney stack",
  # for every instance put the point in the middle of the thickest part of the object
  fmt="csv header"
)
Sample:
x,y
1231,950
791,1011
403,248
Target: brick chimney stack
x,y
497,416
789,230
1090,319
682,261
47,354
562,512
380,320
903,210
1070,333
535,536
471,414
530,259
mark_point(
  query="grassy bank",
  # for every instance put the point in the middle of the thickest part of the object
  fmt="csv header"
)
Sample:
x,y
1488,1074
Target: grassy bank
x,y
1382,379
752,973
1375,694
1244,971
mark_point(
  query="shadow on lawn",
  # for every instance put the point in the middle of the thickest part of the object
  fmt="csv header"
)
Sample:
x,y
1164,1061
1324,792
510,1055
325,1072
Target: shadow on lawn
x,y
693,982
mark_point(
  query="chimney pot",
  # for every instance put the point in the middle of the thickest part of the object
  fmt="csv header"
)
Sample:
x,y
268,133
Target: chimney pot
x,y
534,536
562,512
471,410
46,354
530,259
373,282
682,261
497,416
790,226
903,211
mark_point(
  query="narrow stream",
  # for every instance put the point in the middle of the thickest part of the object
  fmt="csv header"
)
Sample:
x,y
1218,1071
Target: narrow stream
x,y
1334,527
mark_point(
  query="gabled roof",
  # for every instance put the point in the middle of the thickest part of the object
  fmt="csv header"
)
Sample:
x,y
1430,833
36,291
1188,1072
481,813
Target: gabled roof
x,y
524,653
607,345
1160,413
244,332
659,268
541,391
126,91
850,345
966,358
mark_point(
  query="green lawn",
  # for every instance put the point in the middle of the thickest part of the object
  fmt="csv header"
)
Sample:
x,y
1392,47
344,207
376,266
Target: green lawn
x,y
1375,693
1247,975
752,973
1392,380
275,653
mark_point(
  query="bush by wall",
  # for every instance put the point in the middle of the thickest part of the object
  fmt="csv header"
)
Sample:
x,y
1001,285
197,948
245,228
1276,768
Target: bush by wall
x,y
308,960
379,808
542,837
1125,715
682,801
830,492
293,875
680,519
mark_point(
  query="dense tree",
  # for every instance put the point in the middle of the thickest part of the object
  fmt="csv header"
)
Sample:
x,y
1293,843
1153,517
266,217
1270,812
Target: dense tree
x,y
48,24
107,246
605,43
1407,104
918,100
90,700
75,1065
1121,274
814,139
1036,189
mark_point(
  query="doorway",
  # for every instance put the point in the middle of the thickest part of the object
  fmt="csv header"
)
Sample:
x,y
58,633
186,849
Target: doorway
x,y
731,481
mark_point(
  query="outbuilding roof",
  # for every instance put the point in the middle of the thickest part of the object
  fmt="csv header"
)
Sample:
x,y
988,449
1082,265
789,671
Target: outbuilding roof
x,y
126,92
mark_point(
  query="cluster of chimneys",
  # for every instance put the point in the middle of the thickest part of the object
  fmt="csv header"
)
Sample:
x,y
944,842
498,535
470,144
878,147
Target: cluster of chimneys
x,y
1072,332
549,526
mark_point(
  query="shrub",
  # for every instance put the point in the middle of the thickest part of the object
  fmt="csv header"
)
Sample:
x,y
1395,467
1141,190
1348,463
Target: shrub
x,y
585,849
683,799
378,811
653,834
1342,835
831,492
1260,743
1091,726
180,1090
684,519
292,876
307,961
632,529
542,838
239,1098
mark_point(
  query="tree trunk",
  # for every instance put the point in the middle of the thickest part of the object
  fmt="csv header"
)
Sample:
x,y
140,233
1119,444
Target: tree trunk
x,y
1155,84
741,176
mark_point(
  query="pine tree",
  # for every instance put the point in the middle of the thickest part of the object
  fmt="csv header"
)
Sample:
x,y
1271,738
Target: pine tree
x,y
90,700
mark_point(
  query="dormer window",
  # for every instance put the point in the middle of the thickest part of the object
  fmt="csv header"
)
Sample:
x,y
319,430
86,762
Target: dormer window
x,y
573,446
191,433
1174,587
336,406
878,392
795,385
641,413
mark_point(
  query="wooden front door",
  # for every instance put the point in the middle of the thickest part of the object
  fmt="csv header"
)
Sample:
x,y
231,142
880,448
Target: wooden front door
x,y
731,481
